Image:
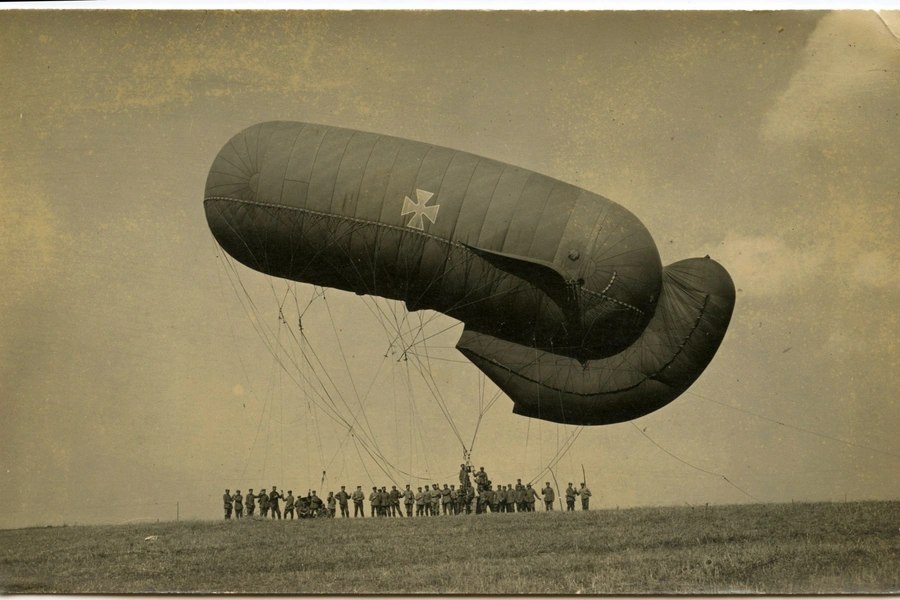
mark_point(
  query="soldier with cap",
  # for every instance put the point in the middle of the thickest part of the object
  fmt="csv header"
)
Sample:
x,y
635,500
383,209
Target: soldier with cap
x,y
464,475
445,500
585,494
395,502
530,496
342,497
454,500
315,504
435,500
409,499
570,497
274,497
549,497
420,503
358,498
263,498
238,504
226,499
375,501
332,504
250,501
426,500
289,505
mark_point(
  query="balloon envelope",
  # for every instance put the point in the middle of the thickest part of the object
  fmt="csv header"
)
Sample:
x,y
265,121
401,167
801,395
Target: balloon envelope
x,y
565,302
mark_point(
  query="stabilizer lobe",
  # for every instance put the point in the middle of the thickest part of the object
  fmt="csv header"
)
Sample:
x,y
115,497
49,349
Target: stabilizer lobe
x,y
690,321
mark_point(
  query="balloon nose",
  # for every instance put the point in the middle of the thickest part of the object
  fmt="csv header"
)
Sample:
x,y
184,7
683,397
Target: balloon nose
x,y
235,171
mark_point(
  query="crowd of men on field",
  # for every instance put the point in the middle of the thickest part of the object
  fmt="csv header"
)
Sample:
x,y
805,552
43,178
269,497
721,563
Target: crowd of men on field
x,y
481,497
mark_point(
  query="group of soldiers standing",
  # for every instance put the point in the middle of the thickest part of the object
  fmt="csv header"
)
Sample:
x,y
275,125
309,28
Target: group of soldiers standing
x,y
478,498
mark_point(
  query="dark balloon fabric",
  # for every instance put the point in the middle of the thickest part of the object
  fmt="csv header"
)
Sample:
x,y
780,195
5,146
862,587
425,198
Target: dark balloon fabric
x,y
564,299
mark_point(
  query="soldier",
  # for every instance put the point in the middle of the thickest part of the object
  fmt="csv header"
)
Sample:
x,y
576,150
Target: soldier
x,y
289,505
585,494
238,504
454,500
481,479
263,498
273,503
409,499
470,499
530,496
250,501
358,498
302,506
500,498
226,499
426,500
570,497
520,497
374,500
549,497
315,505
332,504
342,497
496,499
464,476
445,500
395,502
420,503
435,500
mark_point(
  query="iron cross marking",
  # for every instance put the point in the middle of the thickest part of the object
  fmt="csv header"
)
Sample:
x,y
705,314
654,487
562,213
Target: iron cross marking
x,y
419,209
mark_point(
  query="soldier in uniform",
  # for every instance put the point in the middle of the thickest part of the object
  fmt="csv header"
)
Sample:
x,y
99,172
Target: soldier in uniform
x,y
426,500
395,502
374,500
289,505
409,499
332,504
481,479
445,500
520,496
342,497
263,503
435,500
302,506
470,499
464,476
238,504
315,504
530,496
250,501
454,500
358,498
570,497
585,494
226,499
549,497
420,503
273,503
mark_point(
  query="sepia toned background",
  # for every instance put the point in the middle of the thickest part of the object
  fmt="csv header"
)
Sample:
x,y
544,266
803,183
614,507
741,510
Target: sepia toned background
x,y
134,384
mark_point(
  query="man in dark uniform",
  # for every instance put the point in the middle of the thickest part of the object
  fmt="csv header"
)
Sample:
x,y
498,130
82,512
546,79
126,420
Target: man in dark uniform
x,y
520,496
250,501
386,502
375,501
530,496
454,500
549,497
570,497
445,500
238,504
332,503
464,476
342,497
289,505
585,494
273,503
420,503
315,505
358,498
435,500
226,499
409,499
395,502
263,498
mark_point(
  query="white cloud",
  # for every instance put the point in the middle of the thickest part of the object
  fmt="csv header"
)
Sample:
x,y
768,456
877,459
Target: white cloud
x,y
848,56
767,266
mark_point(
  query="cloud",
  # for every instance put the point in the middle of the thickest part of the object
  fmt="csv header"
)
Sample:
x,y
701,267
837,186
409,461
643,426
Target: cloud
x,y
876,269
848,56
766,265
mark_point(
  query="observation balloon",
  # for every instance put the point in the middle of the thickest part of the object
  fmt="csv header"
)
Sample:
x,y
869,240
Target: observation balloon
x,y
565,303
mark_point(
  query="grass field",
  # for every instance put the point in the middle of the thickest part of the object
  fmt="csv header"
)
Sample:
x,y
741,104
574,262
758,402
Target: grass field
x,y
773,549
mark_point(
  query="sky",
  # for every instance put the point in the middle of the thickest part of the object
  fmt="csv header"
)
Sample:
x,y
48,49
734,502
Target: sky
x,y
142,370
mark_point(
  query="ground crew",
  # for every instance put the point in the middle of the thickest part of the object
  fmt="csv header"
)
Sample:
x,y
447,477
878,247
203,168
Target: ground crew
x,y
374,500
263,503
570,497
315,504
358,498
420,503
250,501
585,494
289,505
226,499
445,500
395,502
238,504
409,499
332,504
549,497
273,503
435,500
342,497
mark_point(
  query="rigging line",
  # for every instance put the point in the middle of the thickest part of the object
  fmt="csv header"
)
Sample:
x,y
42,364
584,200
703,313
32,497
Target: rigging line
x,y
436,393
694,466
561,452
821,435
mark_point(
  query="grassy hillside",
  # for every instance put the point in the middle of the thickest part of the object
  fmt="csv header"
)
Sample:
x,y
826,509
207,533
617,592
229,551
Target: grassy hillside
x,y
793,548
